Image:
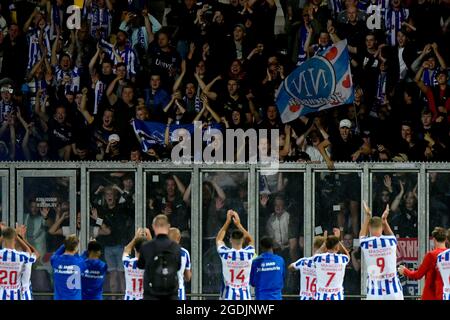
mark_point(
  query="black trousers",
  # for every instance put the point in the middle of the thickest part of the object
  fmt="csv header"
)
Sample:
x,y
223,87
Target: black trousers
x,y
157,297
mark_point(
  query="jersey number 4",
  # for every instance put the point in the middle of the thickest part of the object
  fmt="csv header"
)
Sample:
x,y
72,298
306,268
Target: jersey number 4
x,y
240,276
12,277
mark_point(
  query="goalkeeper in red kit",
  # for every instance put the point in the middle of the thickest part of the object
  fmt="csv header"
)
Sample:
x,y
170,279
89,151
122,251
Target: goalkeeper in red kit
x,y
433,281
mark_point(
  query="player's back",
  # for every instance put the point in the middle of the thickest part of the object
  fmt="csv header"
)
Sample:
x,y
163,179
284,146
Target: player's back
x,y
236,268
92,279
185,265
380,255
443,264
67,271
25,280
11,267
134,279
307,277
330,273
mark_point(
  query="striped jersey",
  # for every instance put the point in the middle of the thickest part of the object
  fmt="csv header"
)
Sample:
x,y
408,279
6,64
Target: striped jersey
x,y
25,280
307,278
380,254
127,55
73,74
443,264
330,273
393,20
34,49
134,279
100,19
236,268
12,264
185,265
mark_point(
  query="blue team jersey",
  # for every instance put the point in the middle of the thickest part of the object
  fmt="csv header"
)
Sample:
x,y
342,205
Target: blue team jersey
x,y
267,276
67,271
92,279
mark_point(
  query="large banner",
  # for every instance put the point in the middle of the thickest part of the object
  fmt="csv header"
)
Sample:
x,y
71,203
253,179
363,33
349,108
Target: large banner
x,y
320,83
152,133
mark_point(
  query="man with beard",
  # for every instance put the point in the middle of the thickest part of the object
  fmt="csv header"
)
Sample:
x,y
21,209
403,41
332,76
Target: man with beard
x,y
60,133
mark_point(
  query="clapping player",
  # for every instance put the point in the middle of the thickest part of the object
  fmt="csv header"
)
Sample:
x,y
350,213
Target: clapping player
x,y
330,267
380,252
236,261
134,277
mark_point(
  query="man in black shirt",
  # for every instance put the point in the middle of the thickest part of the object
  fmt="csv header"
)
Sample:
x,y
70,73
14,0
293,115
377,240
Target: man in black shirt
x,y
165,60
346,146
152,249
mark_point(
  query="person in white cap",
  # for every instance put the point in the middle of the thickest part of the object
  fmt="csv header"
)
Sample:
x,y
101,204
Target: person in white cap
x,y
345,147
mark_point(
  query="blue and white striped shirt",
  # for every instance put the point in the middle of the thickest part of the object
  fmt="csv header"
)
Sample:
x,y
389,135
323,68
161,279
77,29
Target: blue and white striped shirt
x,y
236,268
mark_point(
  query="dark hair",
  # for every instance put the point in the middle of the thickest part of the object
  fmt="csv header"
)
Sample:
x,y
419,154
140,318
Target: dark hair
x,y
331,242
9,233
237,235
121,64
94,246
266,243
439,234
138,243
426,111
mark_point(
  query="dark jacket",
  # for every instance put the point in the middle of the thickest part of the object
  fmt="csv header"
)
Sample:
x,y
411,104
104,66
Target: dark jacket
x,y
148,252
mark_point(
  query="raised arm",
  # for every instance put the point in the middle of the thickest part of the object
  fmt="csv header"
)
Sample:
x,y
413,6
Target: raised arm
x,y
386,227
179,184
207,88
396,203
208,107
365,226
418,78
54,59
94,60
89,118
130,246
112,97
223,231
322,147
148,26
237,223
440,59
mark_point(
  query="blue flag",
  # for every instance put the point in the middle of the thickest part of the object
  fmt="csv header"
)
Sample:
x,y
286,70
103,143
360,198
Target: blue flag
x,y
152,133
320,83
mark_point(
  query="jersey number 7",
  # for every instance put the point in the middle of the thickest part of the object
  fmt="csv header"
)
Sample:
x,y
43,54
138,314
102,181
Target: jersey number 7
x,y
331,274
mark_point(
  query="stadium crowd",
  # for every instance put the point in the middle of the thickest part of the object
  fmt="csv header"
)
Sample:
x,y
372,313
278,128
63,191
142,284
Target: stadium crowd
x,y
72,94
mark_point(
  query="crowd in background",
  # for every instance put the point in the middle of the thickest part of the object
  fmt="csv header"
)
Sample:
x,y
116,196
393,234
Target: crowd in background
x,y
72,94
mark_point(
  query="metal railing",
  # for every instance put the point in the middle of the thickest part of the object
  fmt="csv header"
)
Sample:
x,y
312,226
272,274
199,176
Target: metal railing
x,y
12,175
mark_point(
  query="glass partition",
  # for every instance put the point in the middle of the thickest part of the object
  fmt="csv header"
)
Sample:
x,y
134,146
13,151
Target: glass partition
x,y
169,193
280,215
4,196
337,203
221,191
46,206
399,189
112,221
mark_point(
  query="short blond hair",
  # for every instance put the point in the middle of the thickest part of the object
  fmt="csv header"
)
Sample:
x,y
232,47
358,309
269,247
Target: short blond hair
x,y
161,221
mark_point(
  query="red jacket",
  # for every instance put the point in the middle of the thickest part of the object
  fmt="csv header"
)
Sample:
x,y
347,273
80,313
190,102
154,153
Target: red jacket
x,y
433,282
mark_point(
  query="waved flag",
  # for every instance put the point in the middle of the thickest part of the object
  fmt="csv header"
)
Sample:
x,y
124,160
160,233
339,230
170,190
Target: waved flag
x,y
320,83
152,133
